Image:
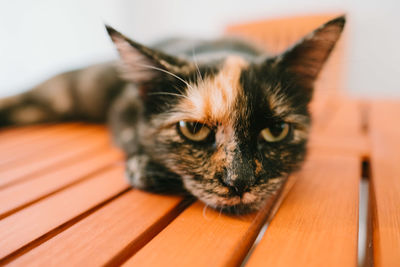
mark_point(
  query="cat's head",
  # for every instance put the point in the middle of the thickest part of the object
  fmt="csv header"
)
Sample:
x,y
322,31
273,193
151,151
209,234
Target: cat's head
x,y
232,129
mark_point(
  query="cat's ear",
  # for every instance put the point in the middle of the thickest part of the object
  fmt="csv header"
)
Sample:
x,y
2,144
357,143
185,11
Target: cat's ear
x,y
142,64
306,58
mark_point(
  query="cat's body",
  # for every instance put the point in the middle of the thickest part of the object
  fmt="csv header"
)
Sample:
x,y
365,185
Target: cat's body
x,y
86,94
219,120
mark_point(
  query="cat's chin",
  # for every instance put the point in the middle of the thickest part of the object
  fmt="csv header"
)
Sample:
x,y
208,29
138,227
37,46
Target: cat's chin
x,y
236,205
238,209
222,199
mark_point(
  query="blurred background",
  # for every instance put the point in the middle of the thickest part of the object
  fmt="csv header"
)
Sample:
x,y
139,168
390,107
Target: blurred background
x,y
44,37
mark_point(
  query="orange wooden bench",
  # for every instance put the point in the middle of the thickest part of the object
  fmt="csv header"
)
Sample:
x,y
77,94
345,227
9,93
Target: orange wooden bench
x,y
64,202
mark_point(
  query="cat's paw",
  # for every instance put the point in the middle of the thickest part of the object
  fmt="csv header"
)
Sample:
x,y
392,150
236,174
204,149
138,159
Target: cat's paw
x,y
135,171
143,173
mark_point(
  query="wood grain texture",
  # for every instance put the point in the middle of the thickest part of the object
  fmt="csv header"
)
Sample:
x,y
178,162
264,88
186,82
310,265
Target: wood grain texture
x,y
62,202
13,136
317,223
109,235
279,33
44,160
343,131
276,35
32,223
203,237
323,106
22,194
50,138
21,131
385,182
32,134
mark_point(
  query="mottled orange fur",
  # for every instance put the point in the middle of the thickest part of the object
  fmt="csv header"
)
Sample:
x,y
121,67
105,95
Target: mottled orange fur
x,y
211,101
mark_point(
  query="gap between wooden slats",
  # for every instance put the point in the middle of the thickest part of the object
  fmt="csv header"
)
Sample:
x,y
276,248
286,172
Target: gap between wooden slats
x,y
22,194
201,236
184,257
17,131
317,223
337,140
29,227
35,148
29,134
385,184
50,141
109,235
53,158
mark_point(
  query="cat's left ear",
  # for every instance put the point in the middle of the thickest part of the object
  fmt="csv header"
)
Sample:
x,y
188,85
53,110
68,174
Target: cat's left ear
x,y
306,58
141,63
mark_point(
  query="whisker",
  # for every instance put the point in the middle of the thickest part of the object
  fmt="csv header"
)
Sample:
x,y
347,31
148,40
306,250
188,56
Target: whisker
x,y
205,211
167,72
220,212
166,93
178,89
197,66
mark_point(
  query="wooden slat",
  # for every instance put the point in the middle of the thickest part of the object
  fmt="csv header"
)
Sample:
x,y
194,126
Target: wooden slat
x,y
346,121
323,107
45,160
30,134
86,132
317,223
109,235
15,131
343,132
276,35
14,197
298,228
385,182
202,237
22,228
315,226
57,136
279,33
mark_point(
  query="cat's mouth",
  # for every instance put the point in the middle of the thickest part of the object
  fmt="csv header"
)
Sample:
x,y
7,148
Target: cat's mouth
x,y
246,203
239,209
223,199
231,203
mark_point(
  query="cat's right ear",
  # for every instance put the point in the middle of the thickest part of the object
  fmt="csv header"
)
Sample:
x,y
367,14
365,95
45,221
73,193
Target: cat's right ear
x,y
140,63
306,59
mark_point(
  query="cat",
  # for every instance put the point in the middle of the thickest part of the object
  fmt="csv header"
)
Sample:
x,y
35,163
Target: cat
x,y
220,120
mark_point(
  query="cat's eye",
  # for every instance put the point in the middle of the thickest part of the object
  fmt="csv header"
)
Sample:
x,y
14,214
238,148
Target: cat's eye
x,y
194,131
276,132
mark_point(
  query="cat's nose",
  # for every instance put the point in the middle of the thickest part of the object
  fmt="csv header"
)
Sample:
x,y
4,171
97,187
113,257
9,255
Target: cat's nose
x,y
237,186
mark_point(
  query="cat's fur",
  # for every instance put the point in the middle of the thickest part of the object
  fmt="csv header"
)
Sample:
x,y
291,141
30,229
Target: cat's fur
x,y
230,86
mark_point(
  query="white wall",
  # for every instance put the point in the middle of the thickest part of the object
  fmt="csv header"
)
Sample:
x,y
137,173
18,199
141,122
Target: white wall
x,y
43,37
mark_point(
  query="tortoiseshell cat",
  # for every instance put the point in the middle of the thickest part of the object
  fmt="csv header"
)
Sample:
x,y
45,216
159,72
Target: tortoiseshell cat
x,y
226,126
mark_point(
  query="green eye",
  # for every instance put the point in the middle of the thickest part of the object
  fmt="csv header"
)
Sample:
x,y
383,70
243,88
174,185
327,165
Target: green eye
x,y
194,131
277,132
